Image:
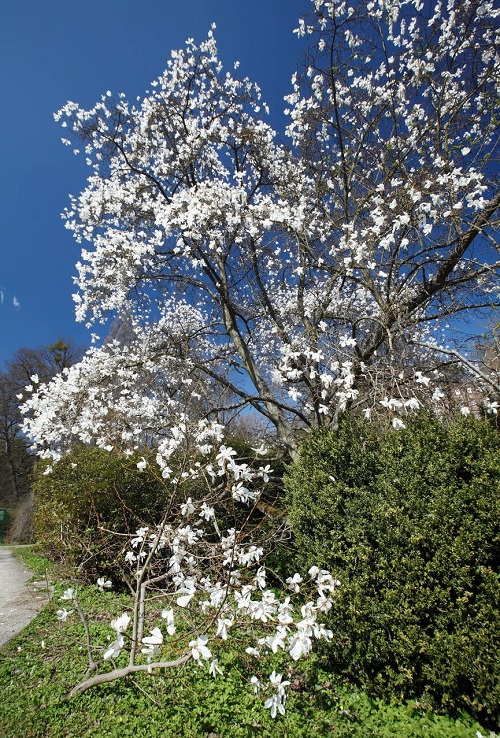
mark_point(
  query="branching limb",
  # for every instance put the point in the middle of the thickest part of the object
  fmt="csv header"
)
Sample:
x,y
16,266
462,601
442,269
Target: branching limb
x,y
469,364
111,676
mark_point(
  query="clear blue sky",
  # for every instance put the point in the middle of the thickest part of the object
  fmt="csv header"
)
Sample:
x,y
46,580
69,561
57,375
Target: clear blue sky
x,y
53,51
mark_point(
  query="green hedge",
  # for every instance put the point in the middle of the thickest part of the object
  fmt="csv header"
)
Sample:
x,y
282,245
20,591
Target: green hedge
x,y
90,495
410,524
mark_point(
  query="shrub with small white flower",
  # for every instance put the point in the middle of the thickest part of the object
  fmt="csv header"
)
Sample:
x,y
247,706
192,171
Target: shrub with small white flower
x,y
189,570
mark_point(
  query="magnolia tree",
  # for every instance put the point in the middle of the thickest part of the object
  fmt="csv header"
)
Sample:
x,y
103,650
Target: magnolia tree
x,y
297,279
319,274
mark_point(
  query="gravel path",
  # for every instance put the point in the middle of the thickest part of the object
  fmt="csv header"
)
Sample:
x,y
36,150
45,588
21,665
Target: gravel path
x,y
19,603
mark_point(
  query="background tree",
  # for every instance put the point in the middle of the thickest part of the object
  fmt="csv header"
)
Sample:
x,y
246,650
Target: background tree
x,y
15,461
43,363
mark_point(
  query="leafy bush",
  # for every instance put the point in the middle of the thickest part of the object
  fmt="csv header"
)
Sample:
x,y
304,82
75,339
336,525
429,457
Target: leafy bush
x,y
410,524
90,496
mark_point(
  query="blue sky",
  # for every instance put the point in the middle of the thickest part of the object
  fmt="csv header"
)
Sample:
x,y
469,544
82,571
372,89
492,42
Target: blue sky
x,y
53,51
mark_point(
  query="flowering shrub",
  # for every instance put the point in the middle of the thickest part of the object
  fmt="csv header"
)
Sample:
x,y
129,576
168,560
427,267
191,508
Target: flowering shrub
x,y
213,580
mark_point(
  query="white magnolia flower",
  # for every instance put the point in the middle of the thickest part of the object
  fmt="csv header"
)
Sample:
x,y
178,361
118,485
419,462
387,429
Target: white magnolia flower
x,y
277,681
152,643
120,624
412,403
140,535
398,424
187,508
63,614
215,668
491,407
260,578
261,451
155,639
253,652
114,649
199,648
104,583
276,640
68,594
293,582
276,703
206,512
265,471
437,395
300,645
391,403
225,455
284,612
421,379
187,593
223,625
168,615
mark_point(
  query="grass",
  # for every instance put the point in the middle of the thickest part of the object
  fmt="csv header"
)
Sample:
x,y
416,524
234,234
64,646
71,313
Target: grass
x,y
39,667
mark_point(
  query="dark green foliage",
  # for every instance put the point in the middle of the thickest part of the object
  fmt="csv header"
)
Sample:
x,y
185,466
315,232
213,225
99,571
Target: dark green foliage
x,y
410,524
91,495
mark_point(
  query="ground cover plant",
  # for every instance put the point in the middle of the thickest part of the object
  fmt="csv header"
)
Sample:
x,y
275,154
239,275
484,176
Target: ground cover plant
x,y
39,667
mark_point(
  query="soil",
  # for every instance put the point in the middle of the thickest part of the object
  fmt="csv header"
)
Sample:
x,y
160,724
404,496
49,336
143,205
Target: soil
x,y
19,601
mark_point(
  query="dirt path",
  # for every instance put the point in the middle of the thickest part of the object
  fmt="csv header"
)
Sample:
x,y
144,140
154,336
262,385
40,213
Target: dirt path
x,y
19,603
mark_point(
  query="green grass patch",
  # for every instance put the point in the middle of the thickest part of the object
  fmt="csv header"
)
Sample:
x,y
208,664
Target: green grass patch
x,y
39,667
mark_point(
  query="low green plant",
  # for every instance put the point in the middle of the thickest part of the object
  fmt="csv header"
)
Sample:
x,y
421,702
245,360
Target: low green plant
x,y
37,564
410,524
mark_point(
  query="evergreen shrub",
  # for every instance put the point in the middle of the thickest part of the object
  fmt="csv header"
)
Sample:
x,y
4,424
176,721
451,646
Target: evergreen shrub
x,y
410,524
89,497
